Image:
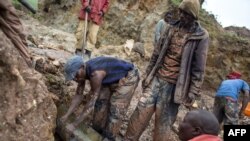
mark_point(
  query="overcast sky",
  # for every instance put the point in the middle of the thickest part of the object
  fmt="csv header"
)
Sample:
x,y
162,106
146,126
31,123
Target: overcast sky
x,y
230,12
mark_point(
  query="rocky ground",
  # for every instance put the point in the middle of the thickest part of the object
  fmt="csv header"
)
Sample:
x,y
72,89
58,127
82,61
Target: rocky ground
x,y
51,48
51,42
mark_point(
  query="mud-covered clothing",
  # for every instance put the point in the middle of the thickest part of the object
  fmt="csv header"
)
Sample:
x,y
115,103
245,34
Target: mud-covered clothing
x,y
226,109
112,104
206,137
231,88
169,69
157,98
13,29
193,60
97,6
159,95
115,68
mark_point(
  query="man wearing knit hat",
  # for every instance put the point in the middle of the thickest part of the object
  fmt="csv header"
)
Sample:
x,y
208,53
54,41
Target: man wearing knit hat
x,y
226,105
113,82
174,75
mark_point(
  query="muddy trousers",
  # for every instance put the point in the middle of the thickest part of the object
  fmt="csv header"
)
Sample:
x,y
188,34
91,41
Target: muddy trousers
x,y
112,104
226,110
157,98
91,36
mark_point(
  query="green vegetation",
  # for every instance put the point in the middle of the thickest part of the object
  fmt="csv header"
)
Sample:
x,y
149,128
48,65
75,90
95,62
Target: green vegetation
x,y
210,23
232,38
16,3
176,2
33,3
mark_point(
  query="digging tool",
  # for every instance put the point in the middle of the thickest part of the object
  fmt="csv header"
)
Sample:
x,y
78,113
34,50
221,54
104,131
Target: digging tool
x,y
28,6
86,54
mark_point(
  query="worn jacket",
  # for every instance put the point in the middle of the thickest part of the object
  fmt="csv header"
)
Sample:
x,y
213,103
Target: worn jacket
x,y
193,61
97,6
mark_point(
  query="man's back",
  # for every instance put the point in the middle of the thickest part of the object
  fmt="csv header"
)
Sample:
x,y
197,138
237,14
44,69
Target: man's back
x,y
231,88
115,68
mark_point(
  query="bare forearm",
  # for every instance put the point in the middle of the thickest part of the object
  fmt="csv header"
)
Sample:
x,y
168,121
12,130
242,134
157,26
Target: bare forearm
x,y
75,102
86,111
83,115
244,103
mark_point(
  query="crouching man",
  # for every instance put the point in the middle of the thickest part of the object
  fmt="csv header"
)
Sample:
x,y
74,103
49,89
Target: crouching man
x,y
112,82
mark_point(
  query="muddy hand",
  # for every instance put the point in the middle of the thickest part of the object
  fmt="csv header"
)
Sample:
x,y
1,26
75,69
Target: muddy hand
x,y
189,100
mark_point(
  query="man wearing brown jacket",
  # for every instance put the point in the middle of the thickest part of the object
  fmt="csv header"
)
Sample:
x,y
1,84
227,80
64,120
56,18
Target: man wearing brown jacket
x,y
174,75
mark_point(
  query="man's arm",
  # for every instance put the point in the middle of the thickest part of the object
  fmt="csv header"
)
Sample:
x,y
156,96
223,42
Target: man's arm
x,y
105,6
197,70
158,48
245,101
96,83
153,58
75,101
85,3
198,66
158,31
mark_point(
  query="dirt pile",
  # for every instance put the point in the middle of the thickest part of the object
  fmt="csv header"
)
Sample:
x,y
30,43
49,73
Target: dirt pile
x,y
135,19
51,41
27,111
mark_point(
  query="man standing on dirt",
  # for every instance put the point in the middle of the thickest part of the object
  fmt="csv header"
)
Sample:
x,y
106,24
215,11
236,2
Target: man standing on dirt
x,y
12,27
95,10
112,82
226,105
174,74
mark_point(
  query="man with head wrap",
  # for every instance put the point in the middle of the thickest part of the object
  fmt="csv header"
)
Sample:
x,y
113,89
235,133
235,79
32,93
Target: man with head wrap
x,y
174,74
226,106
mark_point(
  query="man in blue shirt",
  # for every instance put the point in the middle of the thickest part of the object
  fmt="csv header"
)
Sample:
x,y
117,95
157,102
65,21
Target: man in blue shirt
x,y
226,99
112,82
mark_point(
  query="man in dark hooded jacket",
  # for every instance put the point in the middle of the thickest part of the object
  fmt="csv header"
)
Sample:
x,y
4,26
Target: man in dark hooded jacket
x,y
174,75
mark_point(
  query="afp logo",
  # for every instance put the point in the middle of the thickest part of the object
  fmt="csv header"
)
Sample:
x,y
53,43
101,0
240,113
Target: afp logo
x,y
241,132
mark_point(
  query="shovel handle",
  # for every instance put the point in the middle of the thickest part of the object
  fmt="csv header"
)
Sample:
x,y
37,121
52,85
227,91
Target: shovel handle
x,y
85,32
28,6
